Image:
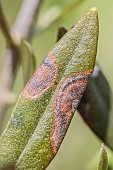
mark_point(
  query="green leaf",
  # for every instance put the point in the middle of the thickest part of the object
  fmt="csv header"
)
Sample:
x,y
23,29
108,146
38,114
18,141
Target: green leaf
x,y
51,129
103,159
27,60
110,162
92,163
46,106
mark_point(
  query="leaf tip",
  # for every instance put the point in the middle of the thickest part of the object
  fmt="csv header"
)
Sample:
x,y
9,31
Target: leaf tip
x,y
103,159
93,9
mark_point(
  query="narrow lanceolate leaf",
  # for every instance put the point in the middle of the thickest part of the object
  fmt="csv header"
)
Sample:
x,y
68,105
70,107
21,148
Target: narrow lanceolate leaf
x,y
27,60
52,127
103,159
37,93
96,107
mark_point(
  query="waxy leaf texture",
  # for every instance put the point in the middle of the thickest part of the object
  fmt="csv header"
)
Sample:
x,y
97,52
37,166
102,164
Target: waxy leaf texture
x,y
46,106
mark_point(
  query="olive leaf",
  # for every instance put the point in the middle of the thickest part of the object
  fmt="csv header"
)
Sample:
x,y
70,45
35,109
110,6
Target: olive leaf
x,y
46,106
54,123
103,159
27,60
96,106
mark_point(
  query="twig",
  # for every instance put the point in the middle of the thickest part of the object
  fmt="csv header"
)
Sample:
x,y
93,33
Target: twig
x,y
4,26
22,28
26,19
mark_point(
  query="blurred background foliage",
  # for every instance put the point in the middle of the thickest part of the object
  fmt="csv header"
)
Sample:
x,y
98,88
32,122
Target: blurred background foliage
x,y
80,147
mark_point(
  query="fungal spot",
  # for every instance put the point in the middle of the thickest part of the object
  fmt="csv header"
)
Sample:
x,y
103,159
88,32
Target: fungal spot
x,y
66,100
43,78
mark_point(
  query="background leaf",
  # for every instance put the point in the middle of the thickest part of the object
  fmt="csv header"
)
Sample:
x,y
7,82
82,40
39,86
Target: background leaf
x,y
96,107
103,159
27,60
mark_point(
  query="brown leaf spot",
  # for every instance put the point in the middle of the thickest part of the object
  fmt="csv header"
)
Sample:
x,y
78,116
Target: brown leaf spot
x,y
66,100
43,78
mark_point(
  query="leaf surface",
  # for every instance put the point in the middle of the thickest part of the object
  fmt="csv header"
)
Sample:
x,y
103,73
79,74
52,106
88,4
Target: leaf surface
x,y
103,159
46,106
52,127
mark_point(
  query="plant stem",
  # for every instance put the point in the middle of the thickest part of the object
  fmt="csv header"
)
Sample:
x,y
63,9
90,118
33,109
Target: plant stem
x,y
26,19
4,26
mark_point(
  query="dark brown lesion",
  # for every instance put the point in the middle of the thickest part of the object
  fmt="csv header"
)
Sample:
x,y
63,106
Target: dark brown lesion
x,y
66,100
43,78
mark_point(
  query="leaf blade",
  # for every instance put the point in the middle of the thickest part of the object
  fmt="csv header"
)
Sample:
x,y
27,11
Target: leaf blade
x,y
27,60
47,136
103,159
